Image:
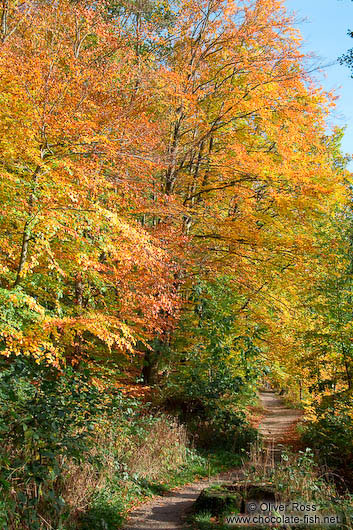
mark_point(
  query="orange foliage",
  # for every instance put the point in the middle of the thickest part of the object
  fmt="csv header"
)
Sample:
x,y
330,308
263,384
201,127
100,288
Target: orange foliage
x,y
136,158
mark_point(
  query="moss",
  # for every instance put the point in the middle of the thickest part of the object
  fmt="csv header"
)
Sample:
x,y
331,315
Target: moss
x,y
218,500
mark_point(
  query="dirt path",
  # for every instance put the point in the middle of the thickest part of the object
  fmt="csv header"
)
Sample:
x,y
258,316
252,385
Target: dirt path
x,y
168,512
278,424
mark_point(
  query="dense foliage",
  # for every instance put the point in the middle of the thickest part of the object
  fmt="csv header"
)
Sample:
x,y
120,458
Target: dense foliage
x,y
148,145
330,434
73,455
49,421
175,217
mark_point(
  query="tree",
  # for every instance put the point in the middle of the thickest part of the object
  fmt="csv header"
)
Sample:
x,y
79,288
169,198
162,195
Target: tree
x,y
75,173
158,146
247,160
347,58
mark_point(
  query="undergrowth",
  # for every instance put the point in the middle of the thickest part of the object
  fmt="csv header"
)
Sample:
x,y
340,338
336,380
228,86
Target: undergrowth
x,y
77,457
329,433
295,478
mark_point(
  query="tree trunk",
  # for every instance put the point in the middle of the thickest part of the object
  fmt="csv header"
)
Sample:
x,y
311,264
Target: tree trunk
x,y
4,13
26,230
24,250
149,368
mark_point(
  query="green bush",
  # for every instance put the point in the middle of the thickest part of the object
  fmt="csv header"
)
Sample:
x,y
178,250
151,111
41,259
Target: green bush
x,y
73,456
215,363
331,435
224,425
49,420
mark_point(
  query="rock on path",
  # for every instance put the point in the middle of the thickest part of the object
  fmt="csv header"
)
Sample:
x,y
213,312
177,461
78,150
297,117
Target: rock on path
x,y
169,511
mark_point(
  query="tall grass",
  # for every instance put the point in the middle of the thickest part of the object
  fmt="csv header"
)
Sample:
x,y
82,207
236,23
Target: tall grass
x,y
298,477
291,478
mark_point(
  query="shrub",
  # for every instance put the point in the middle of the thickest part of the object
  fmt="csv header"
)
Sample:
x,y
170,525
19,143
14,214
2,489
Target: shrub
x,y
215,362
330,434
48,422
72,455
223,424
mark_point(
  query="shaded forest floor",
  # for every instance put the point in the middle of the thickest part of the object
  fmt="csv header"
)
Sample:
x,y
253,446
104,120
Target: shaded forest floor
x,y
277,426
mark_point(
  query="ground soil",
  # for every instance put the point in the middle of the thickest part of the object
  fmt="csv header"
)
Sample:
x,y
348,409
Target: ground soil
x,y
168,512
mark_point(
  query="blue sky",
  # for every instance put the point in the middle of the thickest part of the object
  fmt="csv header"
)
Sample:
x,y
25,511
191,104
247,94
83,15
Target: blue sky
x,y
325,33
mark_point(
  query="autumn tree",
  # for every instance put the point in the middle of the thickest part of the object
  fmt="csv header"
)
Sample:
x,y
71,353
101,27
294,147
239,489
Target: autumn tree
x,y
158,145
75,172
248,167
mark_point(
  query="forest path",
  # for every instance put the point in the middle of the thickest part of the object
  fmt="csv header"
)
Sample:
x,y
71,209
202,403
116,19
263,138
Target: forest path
x,y
168,512
279,421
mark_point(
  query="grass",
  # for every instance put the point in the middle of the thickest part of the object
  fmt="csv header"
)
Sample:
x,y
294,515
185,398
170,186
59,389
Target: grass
x,y
111,504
